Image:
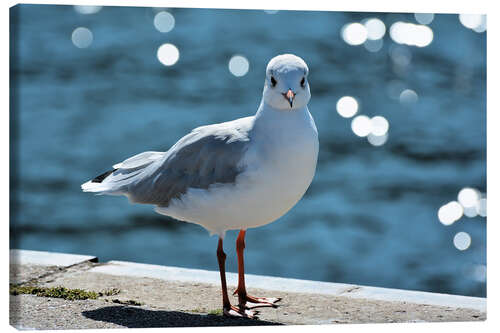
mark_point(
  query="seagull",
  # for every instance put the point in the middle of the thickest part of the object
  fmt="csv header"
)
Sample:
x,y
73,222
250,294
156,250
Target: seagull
x,y
233,175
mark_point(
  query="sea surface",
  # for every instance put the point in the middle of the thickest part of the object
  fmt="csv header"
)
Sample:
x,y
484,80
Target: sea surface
x,y
370,216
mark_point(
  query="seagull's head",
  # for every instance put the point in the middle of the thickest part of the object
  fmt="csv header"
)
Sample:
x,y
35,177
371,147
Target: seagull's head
x,y
286,86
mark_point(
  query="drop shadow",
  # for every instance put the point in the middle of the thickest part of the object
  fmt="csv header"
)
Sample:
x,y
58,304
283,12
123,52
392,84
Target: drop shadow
x,y
133,317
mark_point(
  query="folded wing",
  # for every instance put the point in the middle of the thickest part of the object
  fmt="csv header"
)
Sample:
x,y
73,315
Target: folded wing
x,y
208,155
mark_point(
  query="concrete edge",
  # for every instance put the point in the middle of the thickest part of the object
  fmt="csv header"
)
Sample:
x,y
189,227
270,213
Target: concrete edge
x,y
168,273
42,258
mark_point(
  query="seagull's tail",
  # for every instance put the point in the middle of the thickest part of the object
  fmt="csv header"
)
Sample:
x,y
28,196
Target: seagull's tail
x,y
94,187
118,180
97,184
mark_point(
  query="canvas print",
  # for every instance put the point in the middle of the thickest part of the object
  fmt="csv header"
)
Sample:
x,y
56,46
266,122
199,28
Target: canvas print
x,y
186,167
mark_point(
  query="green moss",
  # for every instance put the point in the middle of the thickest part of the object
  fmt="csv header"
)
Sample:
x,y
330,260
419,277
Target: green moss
x,y
56,292
217,312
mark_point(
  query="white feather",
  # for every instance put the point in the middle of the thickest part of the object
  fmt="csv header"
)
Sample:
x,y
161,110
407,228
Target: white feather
x,y
139,160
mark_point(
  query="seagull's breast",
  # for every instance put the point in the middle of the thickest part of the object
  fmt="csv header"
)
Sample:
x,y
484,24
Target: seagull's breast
x,y
279,166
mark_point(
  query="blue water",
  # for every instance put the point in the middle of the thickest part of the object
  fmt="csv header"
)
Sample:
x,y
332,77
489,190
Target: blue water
x,y
370,215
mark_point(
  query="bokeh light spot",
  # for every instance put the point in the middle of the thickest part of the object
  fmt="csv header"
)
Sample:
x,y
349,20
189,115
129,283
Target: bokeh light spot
x,y
468,197
164,21
238,65
82,37
377,140
481,207
354,33
168,54
482,26
411,34
450,213
475,22
424,18
373,45
87,10
470,211
347,106
361,126
462,241
379,125
375,28
408,96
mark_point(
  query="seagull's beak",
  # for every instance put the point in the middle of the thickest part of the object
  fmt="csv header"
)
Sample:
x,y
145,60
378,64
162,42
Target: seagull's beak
x,y
289,95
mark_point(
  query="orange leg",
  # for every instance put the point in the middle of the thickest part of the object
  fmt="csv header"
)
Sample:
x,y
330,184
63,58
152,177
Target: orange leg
x,y
227,308
245,300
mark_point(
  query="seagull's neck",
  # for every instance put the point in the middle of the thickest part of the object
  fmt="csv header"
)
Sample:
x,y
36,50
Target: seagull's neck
x,y
267,113
283,126
285,135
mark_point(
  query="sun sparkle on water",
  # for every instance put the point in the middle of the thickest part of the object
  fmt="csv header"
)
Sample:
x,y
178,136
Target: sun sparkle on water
x,y
168,54
164,21
375,28
238,65
424,18
347,106
474,22
361,125
354,33
408,96
377,140
87,10
462,241
379,125
82,37
450,213
411,34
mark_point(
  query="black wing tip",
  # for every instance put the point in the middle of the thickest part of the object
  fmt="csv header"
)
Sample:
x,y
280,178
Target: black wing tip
x,y
100,178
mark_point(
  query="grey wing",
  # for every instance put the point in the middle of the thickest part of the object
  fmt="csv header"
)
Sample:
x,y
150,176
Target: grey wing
x,y
208,155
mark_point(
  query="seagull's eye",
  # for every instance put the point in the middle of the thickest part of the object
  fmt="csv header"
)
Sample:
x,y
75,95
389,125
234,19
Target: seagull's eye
x,y
273,81
303,82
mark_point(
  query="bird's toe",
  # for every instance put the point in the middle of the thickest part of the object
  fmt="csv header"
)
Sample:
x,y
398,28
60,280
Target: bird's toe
x,y
256,302
237,312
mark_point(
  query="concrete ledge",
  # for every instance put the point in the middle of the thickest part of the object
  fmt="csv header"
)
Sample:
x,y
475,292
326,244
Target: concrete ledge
x,y
41,258
145,296
168,273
